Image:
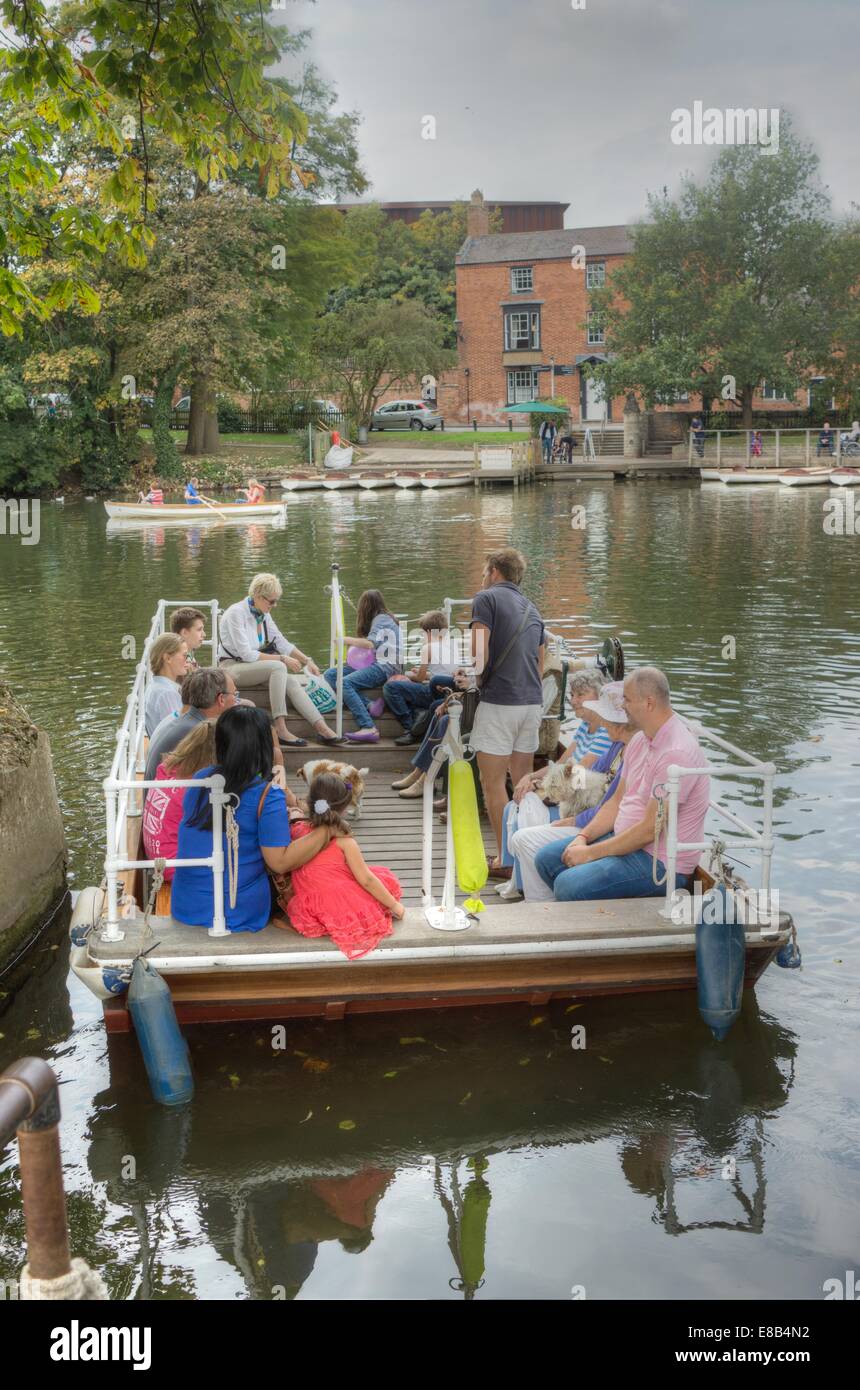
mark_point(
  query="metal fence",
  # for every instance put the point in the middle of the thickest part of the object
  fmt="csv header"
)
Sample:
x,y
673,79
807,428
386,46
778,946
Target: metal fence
x,y
273,421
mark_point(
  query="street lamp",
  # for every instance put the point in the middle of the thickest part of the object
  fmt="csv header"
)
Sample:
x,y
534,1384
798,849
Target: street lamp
x,y
467,374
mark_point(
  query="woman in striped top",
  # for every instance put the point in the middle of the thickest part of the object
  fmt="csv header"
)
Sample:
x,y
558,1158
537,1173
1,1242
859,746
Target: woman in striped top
x,y
590,739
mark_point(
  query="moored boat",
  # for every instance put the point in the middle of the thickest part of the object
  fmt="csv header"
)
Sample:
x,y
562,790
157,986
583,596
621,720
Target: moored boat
x,y
711,475
339,482
371,481
749,475
407,480
437,480
302,482
184,511
845,477
804,477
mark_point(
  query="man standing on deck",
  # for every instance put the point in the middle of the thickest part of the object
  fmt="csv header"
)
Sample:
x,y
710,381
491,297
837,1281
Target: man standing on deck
x,y
508,651
613,856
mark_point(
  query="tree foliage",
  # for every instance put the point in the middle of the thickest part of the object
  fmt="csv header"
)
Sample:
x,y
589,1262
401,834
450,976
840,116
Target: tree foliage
x,y
729,284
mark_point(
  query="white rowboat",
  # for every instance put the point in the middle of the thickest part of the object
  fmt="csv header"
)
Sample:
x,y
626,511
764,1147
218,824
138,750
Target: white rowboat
x,y
184,511
845,477
371,482
750,475
339,483
405,480
805,477
301,483
446,480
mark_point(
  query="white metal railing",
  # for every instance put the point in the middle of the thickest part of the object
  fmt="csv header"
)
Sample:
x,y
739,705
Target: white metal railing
x,y
123,789
780,447
336,652
753,838
446,916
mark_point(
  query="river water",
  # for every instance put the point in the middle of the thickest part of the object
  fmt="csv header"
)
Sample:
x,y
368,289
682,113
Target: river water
x,y
475,1153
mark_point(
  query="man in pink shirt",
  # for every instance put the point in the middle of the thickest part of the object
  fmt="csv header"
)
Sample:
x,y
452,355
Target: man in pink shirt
x,y
612,856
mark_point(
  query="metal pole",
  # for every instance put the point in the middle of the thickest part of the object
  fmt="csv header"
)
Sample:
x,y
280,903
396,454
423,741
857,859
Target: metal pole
x,y
337,645
719,446
111,931
674,776
776,454
217,799
29,1103
767,828
213,604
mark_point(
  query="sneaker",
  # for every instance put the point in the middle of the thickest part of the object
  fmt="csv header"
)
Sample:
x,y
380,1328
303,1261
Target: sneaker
x,y
510,893
405,740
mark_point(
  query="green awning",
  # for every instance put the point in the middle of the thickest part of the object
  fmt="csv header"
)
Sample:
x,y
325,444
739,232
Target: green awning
x,y
536,408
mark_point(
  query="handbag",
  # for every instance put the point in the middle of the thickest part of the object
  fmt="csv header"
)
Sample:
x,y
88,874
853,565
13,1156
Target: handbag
x,y
471,698
319,692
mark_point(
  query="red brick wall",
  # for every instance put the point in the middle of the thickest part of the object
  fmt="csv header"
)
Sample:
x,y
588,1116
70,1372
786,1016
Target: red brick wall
x,y
481,290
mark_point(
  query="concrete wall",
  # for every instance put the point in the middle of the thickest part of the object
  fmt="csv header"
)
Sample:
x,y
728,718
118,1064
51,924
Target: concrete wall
x,y
32,844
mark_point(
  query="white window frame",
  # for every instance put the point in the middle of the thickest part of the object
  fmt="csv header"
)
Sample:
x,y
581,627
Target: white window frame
x,y
525,271
595,328
515,387
766,396
532,317
595,275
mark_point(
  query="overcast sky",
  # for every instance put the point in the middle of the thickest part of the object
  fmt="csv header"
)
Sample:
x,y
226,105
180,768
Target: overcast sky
x,y
536,100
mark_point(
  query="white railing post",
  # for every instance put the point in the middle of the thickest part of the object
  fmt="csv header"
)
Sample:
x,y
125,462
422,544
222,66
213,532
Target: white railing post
x,y
673,773
776,448
719,447
213,604
336,652
111,931
807,448
768,774
217,800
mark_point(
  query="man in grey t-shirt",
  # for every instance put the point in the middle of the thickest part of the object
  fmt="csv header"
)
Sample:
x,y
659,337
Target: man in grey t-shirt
x,y
508,648
206,693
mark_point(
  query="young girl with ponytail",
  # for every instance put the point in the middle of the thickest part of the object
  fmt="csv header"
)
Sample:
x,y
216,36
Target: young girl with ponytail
x,y
336,893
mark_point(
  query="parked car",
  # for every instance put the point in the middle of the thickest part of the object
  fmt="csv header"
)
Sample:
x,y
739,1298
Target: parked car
x,y
406,415
184,403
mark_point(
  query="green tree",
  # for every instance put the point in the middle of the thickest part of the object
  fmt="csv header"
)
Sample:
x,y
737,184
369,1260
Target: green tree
x,y
120,72
727,285
364,349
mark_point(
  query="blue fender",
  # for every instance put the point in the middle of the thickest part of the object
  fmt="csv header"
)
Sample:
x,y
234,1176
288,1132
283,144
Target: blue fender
x,y
165,1052
720,959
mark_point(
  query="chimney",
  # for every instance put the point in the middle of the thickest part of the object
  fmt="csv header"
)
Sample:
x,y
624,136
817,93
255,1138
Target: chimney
x,y
477,216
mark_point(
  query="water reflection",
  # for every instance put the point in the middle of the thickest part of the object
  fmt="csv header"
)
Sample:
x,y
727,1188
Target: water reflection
x,y
282,1153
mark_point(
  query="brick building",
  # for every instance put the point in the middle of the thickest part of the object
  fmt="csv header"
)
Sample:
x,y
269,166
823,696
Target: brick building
x,y
516,216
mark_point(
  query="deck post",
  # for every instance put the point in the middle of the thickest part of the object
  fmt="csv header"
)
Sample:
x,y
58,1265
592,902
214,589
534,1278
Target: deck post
x,y
776,448
807,450
768,774
674,778
217,799
111,931
719,446
336,645
213,604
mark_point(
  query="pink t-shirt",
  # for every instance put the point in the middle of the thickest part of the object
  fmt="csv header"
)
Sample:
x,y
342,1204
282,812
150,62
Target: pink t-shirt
x,y
645,767
161,816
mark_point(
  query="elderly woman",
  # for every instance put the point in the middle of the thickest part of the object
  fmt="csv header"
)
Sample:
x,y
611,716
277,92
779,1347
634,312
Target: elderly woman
x,y
167,663
256,653
590,739
521,846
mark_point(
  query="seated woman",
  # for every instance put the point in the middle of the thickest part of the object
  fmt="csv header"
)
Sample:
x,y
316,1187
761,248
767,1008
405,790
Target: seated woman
x,y
255,652
337,894
167,663
162,809
519,847
253,494
378,632
243,753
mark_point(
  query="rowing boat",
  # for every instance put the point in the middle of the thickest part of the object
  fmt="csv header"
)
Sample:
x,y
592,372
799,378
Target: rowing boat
x,y
185,511
437,480
804,477
302,482
377,480
406,480
339,482
845,477
749,475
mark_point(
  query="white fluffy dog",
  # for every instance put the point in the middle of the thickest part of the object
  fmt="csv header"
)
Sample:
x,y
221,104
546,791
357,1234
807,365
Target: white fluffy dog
x,y
572,787
353,776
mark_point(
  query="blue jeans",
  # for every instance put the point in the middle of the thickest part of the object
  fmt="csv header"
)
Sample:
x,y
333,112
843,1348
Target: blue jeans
x,y
354,682
405,698
616,876
547,448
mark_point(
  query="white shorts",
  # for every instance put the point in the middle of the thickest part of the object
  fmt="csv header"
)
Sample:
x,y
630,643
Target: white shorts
x,y
506,729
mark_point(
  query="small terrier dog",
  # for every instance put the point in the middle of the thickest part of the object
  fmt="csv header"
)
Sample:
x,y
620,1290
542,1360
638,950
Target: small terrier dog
x,y
574,788
353,776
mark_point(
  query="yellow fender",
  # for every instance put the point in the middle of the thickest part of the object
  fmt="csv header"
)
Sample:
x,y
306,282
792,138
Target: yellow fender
x,y
471,861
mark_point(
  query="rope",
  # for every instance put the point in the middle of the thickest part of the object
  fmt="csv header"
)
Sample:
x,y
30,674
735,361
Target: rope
x,y
159,866
80,1284
659,826
232,834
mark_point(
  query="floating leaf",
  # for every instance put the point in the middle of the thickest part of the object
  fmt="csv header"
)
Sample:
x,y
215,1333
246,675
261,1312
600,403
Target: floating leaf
x,y
315,1064
607,1060
467,1096
389,1074
524,1061
297,1053
538,1018
307,1117
404,1042
347,1124
33,1033
233,1079
570,1008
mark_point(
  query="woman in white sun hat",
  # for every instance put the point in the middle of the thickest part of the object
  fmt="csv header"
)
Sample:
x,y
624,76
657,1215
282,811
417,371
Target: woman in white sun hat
x,y
523,845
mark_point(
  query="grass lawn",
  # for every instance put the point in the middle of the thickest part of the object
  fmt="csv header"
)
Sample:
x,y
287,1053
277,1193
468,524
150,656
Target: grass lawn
x,y
443,439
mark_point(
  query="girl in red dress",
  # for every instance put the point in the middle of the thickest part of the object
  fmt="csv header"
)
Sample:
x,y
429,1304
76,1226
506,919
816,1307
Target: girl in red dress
x,y
336,893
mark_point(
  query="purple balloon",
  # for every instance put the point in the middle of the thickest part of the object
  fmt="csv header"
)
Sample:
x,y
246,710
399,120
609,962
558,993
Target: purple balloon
x,y
359,657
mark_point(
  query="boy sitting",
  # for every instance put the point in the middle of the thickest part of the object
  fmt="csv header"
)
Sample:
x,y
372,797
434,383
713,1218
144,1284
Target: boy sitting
x,y
421,687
